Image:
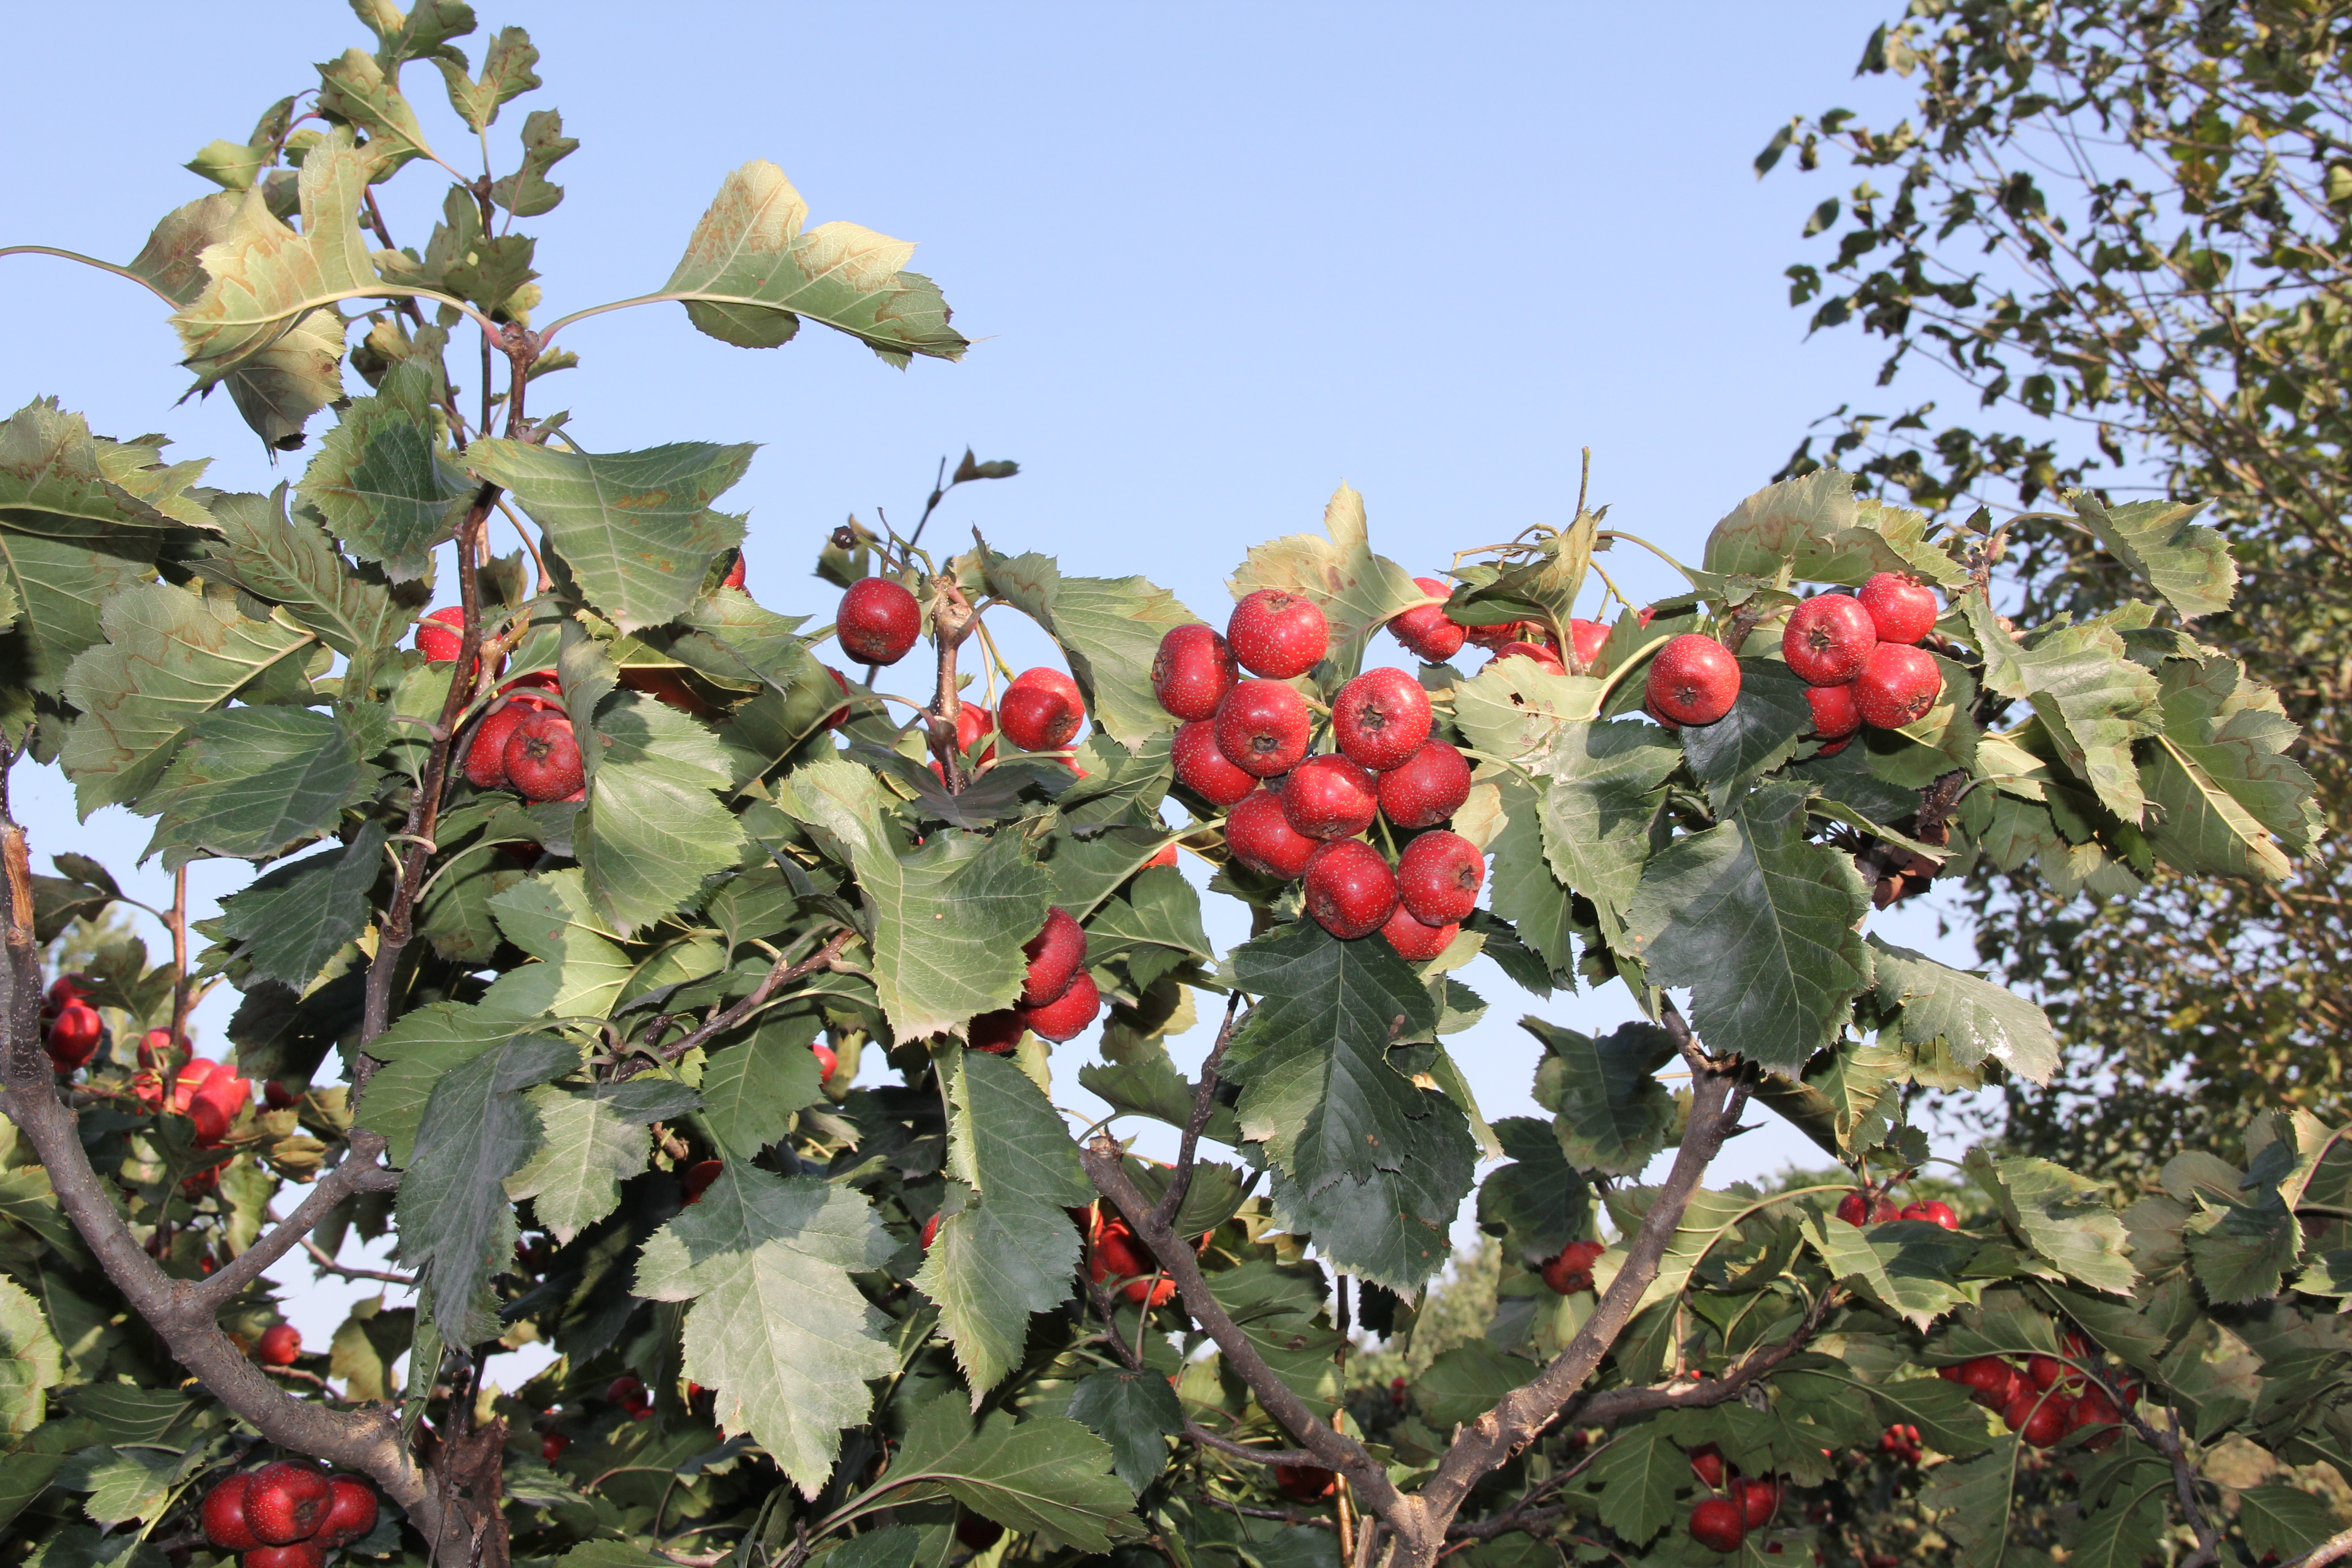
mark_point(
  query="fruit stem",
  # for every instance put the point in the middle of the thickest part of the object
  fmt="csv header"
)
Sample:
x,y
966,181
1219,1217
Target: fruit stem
x,y
1689,576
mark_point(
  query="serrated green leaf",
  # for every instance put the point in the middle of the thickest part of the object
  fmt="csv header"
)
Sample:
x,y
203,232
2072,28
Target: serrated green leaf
x,y
2061,1216
1950,1422
1389,1227
1515,710
1605,786
1047,1475
56,586
1522,888
777,1328
1110,628
2241,1250
2283,1522
57,479
1158,910
293,563
1808,530
1465,1383
361,89
528,191
652,829
1973,1018
1908,1267
384,482
421,1045
750,274
750,1091
289,920
506,74
31,1361
1761,925
586,1151
1758,734
1636,1477
1973,1499
1539,1201
2128,1529
257,781
2186,561
1135,1413
581,971
2226,795
122,1483
1614,1115
1356,591
2092,699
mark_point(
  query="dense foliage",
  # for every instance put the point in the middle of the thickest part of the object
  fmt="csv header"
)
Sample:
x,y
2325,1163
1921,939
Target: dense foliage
x,y
692,999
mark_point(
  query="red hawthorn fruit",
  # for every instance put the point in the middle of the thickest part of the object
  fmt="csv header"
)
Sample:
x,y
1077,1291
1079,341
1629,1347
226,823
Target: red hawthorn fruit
x,y
1719,1525
1114,1253
1425,632
1828,639
996,1033
1262,727
440,635
1759,1500
2045,1420
1854,1209
350,1513
543,756
1587,638
486,754
1416,943
972,722
72,1036
1884,1210
931,1230
2096,1409
279,1096
1277,634
1305,1483
1694,680
1056,955
281,1345
1658,718
825,1062
1991,1377
1041,710
2047,1372
1834,715
878,621
696,1178
1427,789
1351,891
1438,877
1494,636
1192,671
1572,1271
155,1046
734,578
1329,796
977,1533
1902,609
293,1554
1381,718
1167,857
552,1447
1935,1211
1067,1016
629,1394
1706,1464
1203,767
217,1104
1539,652
1262,838
66,988
1897,687
223,1515
286,1504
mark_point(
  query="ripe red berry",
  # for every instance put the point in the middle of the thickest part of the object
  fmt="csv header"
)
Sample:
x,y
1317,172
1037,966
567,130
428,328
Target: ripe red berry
x,y
1717,1524
630,1395
1424,630
1203,767
878,621
1494,636
1828,637
1854,1209
1935,1211
1706,1464
552,1447
1902,609
1262,727
1588,638
1381,718
825,1062
542,757
293,1554
1438,877
1351,891
2044,1371
1277,634
217,1104
73,1035
1759,1500
1658,718
1305,1483
1416,943
734,578
696,1178
286,1504
1834,715
350,1513
1041,710
1067,1016
2096,1409
1990,1376
1056,954
486,754
995,1033
65,988
155,1046
1329,797
1167,857
972,724
1259,834
281,1345
1536,651
223,1515
279,1096
440,635
2040,1419
1427,789
931,1230
1694,680
1884,1210
1192,671
1897,687
1571,1272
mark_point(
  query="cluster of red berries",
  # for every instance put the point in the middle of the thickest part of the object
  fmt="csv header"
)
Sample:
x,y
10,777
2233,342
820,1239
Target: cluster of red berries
x,y
1857,655
1720,1523
2046,1398
1903,1443
1433,637
524,742
1243,749
208,1093
71,1030
1859,1208
630,1395
1058,997
287,1515
1572,1271
1114,1253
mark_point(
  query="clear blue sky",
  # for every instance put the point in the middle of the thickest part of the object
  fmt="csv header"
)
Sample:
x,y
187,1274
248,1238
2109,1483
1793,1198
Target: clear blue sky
x,y
1216,258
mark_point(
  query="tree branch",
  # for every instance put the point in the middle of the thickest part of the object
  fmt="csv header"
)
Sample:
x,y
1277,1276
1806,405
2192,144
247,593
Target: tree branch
x,y
353,1175
1208,1439
780,974
1204,1104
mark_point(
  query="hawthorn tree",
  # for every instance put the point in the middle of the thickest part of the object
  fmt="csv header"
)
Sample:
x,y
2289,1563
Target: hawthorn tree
x,y
602,890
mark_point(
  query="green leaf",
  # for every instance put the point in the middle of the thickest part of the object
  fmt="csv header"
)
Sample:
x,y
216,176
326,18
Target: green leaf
x,y
1465,1383
1614,1115
1135,1413
1389,1227
1948,1420
1110,628
506,74
1909,1268
1516,709
290,919
59,480
2061,1216
1808,530
384,482
750,1091
750,274
1761,925
777,1328
1011,1250
528,191
421,1045
2094,700
1758,734
2241,1250
367,1344
1606,783
293,563
1356,591
1158,910
949,917
1637,1476
1974,1499
2186,561
31,1362
2282,1520
257,781
1539,1201
2228,796
635,530
1974,1019
1522,888
122,1483
652,829
1047,1475
169,658
56,587
455,1228
361,89
592,1140
581,971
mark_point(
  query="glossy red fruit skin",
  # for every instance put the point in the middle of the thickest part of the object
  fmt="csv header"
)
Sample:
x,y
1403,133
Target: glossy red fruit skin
x,y
1884,1210
734,578
281,1345
1381,719
552,1447
1572,1271
1438,877
1305,1483
1827,638
72,1036
930,1231
216,1107
696,1178
62,989
973,722
294,1554
2042,1420
1897,687
350,1513
1192,671
1167,857
1854,1209
1694,680
1536,651
1416,943
1834,715
2096,1409
1706,1464
286,1504
1424,630
1041,710
1351,891
1203,767
223,1514
1717,1524
1429,787
1935,1211
1587,638
1901,609
1056,955
996,1033
1988,1376
440,635
1259,834
1759,1500
1262,727
542,757
825,1062
1277,634
1067,1016
486,755
878,621
1494,636
1329,796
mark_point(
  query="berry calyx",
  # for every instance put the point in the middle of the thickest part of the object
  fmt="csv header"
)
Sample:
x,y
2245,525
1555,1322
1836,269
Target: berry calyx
x,y
440,635
1427,788
1192,671
223,1515
486,754
878,621
1203,767
1438,877
1828,637
1259,834
1262,727
1067,1016
1416,943
1424,629
1277,634
1381,718
286,1504
1056,954
1351,891
1897,687
1935,1211
281,1345
1694,680
1902,609
1329,797
1041,710
1718,1524
350,1513
1834,714
1572,1271
543,756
